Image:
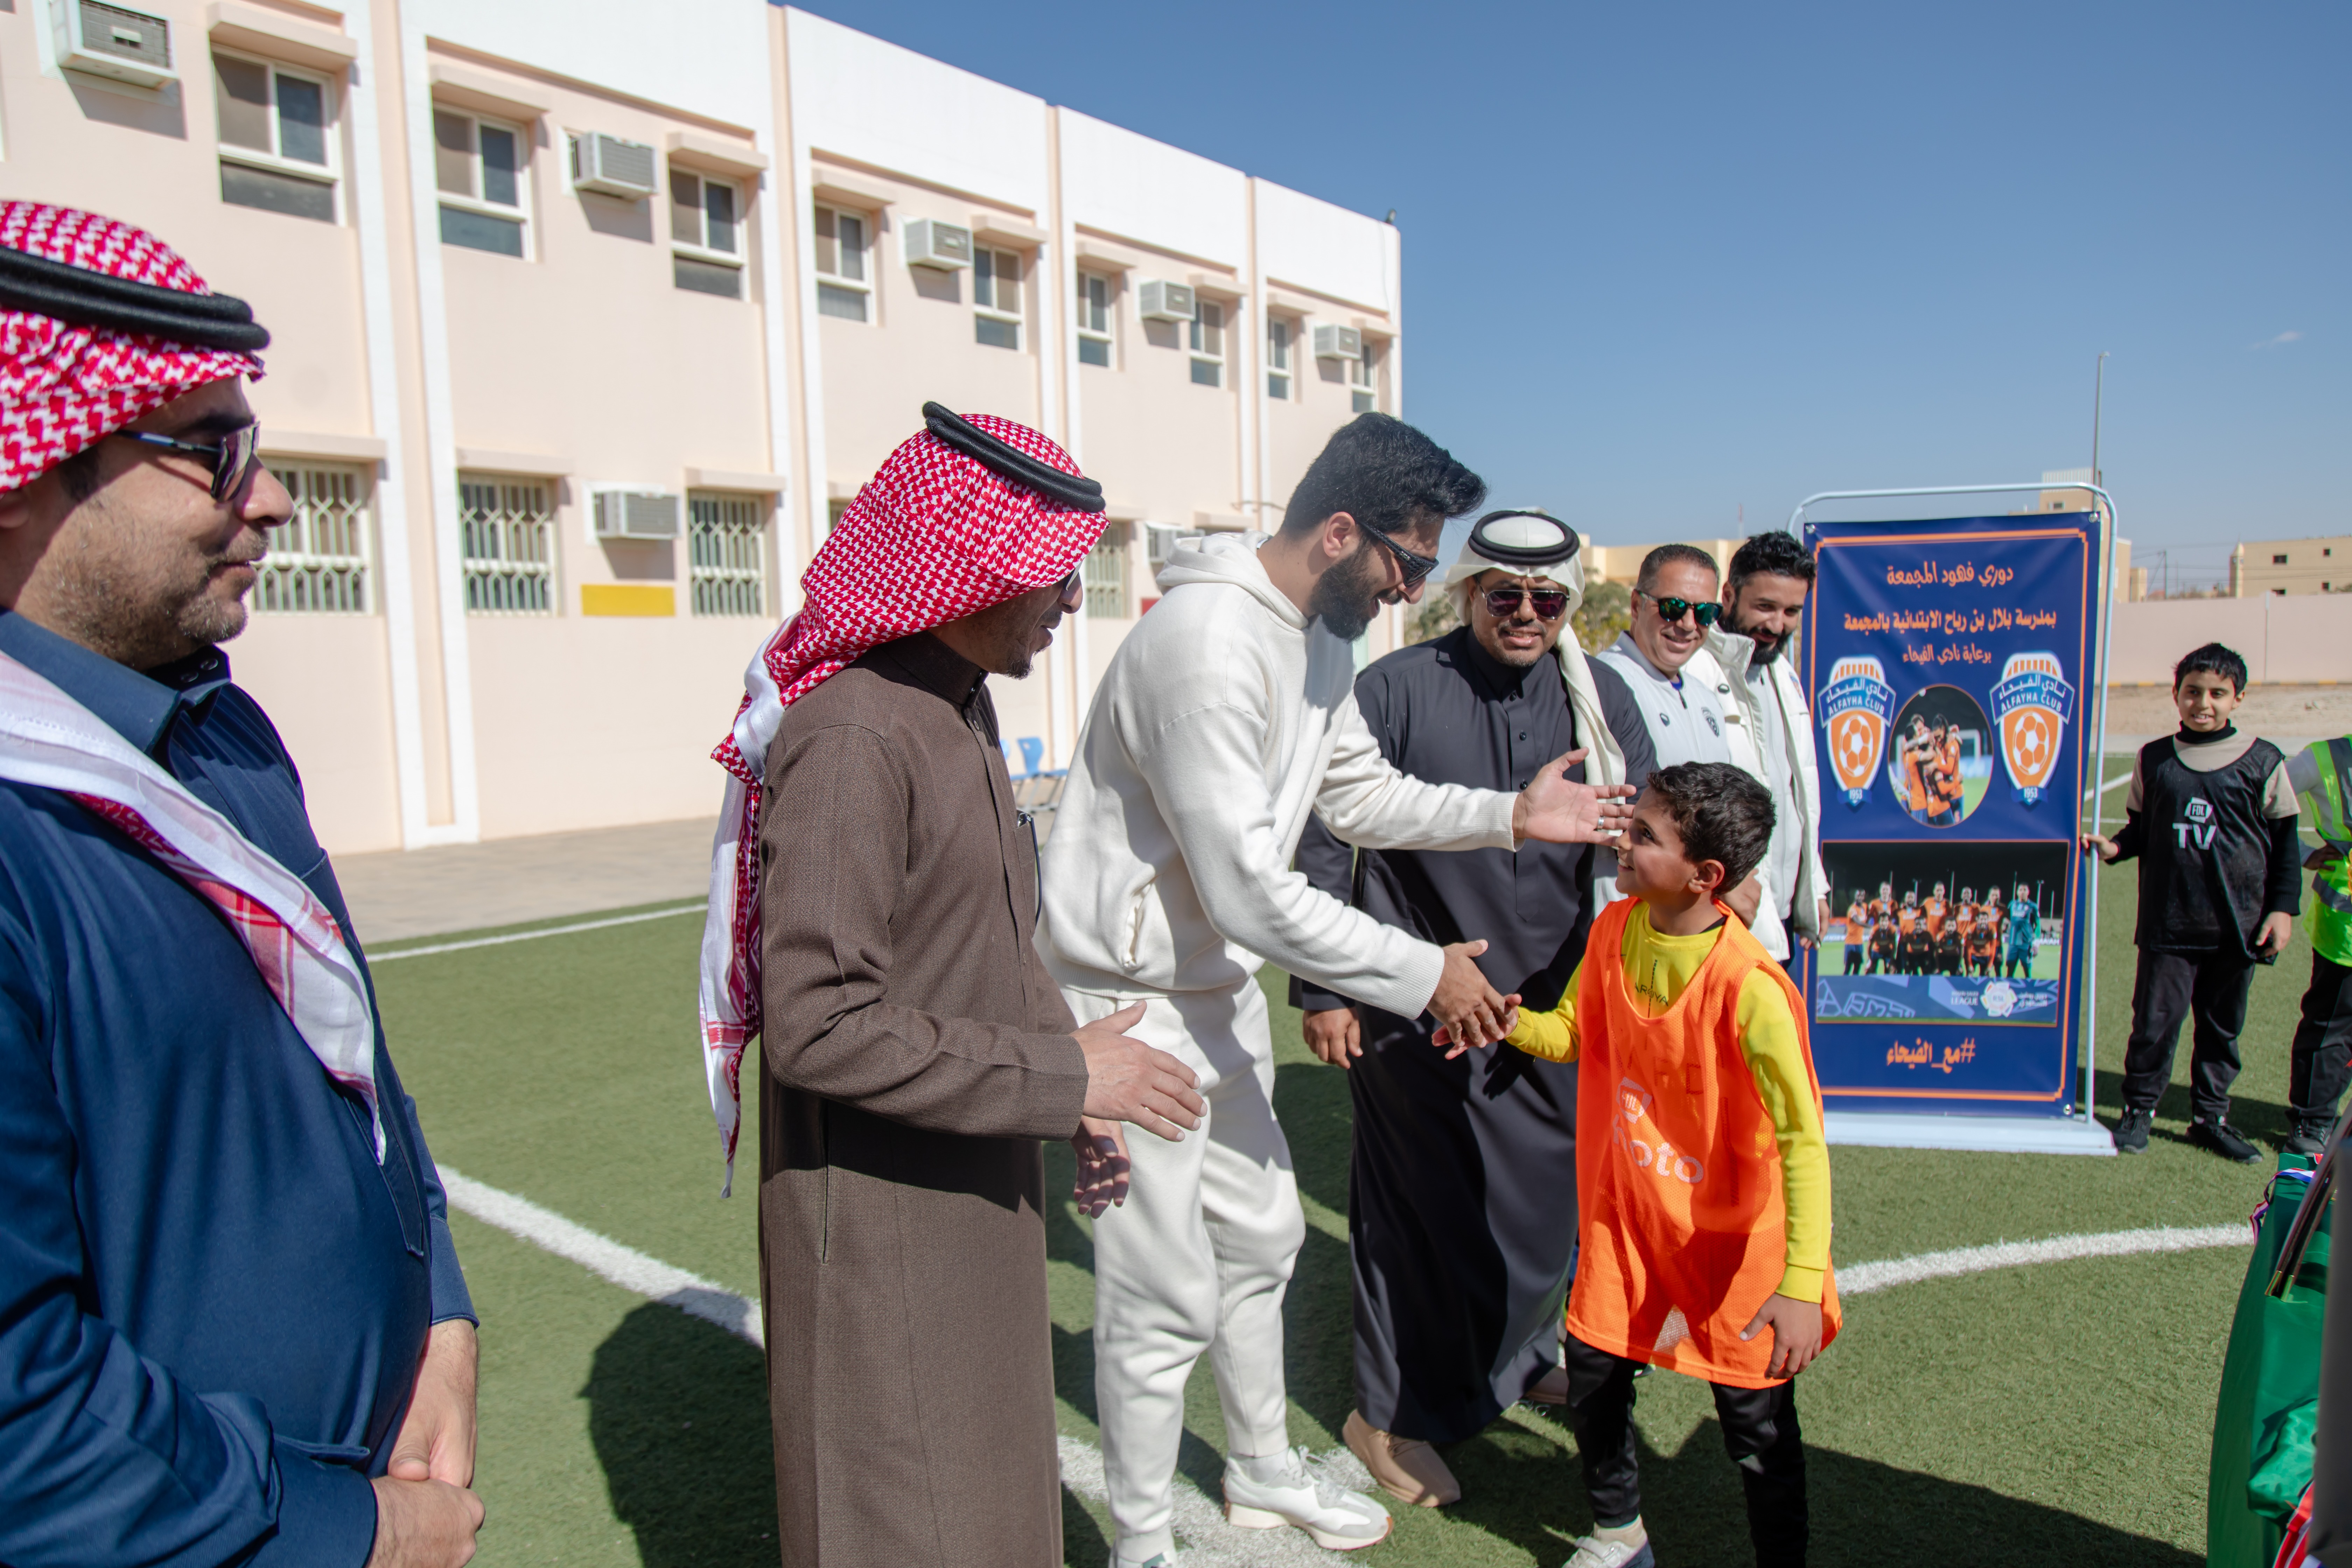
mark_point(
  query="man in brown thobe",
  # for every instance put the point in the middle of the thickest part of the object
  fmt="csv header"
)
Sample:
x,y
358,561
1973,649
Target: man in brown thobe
x,y
915,1050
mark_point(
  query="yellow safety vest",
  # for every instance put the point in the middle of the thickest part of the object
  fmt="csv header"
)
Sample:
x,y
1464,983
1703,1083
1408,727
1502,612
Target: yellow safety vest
x,y
2331,884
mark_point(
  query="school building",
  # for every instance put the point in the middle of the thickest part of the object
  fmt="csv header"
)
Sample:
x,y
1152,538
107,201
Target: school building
x,y
589,318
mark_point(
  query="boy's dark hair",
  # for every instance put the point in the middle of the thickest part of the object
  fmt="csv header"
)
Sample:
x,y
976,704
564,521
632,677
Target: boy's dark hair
x,y
1774,554
1386,475
1721,812
1665,556
2212,659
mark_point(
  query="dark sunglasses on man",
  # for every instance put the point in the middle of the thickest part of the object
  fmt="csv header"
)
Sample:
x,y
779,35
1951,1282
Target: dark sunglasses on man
x,y
1416,568
1504,602
1675,609
232,458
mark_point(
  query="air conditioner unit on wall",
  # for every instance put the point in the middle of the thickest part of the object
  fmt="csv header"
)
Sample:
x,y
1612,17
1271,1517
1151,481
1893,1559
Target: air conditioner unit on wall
x,y
636,514
611,166
1338,342
110,41
930,243
1166,301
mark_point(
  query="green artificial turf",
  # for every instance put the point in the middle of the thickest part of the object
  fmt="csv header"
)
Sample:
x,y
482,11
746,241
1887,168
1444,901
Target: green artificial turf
x,y
2052,1414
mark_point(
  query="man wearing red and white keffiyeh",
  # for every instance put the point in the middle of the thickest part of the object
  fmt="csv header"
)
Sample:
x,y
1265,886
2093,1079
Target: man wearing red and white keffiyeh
x,y
232,1322
873,911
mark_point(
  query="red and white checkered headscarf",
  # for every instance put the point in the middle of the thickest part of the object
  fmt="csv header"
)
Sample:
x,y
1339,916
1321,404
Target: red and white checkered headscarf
x,y
63,386
934,536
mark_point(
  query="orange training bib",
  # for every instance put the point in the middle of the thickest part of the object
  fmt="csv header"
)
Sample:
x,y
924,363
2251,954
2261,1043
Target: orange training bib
x,y
1682,1220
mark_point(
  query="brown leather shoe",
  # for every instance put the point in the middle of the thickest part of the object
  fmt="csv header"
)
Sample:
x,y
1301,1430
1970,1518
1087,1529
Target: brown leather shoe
x,y
1407,1468
1551,1388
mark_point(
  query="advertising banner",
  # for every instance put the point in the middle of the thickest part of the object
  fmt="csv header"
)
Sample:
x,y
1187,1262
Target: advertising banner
x,y
1951,665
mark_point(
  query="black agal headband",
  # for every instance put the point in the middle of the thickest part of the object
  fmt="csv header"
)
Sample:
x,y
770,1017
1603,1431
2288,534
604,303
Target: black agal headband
x,y
88,299
1073,490
1542,540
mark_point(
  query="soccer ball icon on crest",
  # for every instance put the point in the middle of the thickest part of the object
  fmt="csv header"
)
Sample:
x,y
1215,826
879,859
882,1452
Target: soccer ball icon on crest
x,y
1857,705
2031,705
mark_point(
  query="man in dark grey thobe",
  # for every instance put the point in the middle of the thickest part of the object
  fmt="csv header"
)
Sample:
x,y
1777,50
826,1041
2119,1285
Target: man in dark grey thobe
x,y
1461,1193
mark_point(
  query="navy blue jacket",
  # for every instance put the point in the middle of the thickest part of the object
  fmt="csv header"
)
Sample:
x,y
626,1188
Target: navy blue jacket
x,y
212,1299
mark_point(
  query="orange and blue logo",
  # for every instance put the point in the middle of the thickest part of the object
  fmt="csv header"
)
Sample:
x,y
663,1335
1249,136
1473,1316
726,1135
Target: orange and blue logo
x,y
1857,705
2031,705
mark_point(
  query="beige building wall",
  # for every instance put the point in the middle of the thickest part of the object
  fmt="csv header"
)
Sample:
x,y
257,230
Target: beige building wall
x,y
455,650
2321,566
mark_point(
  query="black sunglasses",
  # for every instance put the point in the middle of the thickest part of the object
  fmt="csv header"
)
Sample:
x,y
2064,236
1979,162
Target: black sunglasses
x,y
1675,609
232,458
1416,568
1551,603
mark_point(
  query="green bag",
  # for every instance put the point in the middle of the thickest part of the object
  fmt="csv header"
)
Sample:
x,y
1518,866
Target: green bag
x,y
2270,1391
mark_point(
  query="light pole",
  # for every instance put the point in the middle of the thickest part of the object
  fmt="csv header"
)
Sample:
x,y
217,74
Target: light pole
x,y
2098,393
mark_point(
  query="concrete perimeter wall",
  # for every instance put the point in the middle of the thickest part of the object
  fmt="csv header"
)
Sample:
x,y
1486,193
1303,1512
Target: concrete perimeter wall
x,y
2297,639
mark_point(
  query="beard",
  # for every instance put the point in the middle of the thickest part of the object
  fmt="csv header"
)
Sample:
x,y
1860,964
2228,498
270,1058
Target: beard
x,y
143,615
1344,598
1766,650
1011,629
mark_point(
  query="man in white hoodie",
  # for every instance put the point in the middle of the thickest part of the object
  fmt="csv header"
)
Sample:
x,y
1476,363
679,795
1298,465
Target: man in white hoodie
x,y
1227,716
1763,603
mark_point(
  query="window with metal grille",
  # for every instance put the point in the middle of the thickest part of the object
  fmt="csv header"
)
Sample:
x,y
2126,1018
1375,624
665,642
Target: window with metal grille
x,y
727,542
509,539
1106,575
319,559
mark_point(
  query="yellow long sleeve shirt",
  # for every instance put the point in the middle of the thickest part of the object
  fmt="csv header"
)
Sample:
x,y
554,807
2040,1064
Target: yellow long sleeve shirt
x,y
1658,967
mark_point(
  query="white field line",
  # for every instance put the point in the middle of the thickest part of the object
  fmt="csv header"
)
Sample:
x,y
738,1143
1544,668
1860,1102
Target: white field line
x,y
1209,1541
602,1255
1865,1278
696,908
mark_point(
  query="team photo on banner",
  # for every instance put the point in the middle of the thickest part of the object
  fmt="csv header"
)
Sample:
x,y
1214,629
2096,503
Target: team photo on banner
x,y
1948,663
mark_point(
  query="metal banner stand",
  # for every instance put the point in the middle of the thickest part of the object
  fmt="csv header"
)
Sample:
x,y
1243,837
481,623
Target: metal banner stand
x,y
2079,1132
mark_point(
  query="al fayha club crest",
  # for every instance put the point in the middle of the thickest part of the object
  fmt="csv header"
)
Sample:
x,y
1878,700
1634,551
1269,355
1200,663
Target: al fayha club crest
x,y
2031,705
1857,705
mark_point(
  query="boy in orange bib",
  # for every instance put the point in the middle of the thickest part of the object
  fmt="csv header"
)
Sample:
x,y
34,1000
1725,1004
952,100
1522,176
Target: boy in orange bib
x,y
1703,1176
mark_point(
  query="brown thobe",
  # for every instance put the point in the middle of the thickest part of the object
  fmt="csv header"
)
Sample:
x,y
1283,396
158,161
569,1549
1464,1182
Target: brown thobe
x,y
916,1053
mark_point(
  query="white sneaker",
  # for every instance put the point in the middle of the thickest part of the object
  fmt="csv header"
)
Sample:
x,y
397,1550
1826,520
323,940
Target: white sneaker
x,y
1593,1554
1334,1518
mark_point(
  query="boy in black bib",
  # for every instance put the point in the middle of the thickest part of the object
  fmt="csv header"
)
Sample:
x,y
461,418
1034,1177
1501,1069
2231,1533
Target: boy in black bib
x,y
2212,817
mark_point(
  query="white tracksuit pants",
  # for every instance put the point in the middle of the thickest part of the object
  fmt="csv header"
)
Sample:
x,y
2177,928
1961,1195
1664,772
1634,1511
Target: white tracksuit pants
x,y
1197,1260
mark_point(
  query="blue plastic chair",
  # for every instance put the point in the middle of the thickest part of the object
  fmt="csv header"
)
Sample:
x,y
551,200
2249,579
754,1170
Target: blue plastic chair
x,y
1033,756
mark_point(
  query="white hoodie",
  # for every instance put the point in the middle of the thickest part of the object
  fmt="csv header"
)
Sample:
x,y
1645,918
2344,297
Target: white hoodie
x,y
1223,720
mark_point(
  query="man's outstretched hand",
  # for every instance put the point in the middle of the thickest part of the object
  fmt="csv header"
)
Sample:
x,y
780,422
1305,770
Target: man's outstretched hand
x,y
1469,1012
1557,812
1128,1080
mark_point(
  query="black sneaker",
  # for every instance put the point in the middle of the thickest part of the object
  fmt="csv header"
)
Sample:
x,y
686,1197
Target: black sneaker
x,y
2131,1132
2308,1138
2223,1140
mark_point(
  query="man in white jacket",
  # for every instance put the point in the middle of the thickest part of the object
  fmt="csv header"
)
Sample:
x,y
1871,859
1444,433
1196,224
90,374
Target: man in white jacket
x,y
1229,714
1763,603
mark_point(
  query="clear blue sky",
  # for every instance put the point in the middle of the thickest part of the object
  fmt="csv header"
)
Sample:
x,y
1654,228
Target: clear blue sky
x,y
1665,261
